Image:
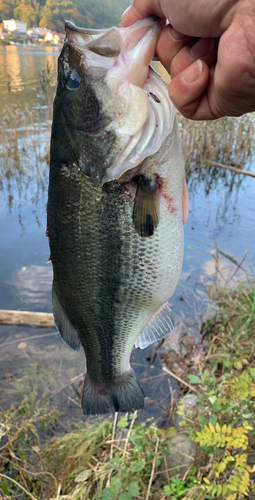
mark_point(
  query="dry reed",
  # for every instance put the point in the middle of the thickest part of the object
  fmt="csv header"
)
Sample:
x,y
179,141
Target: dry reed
x,y
25,143
228,140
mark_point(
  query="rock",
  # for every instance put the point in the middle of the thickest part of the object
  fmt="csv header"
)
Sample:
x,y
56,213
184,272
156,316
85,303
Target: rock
x,y
178,456
189,402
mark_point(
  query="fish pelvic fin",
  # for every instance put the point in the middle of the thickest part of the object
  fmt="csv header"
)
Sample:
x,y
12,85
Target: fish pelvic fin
x,y
160,325
121,395
65,328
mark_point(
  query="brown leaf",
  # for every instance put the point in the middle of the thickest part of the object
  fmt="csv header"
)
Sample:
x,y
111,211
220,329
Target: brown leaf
x,y
22,345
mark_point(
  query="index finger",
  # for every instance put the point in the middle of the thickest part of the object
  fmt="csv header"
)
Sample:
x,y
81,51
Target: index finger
x,y
138,10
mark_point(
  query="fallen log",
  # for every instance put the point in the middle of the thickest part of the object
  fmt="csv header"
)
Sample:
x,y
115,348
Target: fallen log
x,y
43,320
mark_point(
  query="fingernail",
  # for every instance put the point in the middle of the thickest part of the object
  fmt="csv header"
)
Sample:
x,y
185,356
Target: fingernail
x,y
193,72
176,34
125,12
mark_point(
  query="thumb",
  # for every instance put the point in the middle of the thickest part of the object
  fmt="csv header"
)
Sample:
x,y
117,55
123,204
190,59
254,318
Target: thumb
x,y
186,91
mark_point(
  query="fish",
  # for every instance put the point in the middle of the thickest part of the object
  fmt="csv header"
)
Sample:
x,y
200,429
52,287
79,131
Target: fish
x,y
117,201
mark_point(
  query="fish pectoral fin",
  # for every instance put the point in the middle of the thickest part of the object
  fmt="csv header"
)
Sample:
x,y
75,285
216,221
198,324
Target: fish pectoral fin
x,y
146,206
65,328
160,325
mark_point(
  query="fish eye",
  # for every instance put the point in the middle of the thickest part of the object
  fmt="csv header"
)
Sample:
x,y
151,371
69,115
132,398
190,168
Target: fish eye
x,y
72,80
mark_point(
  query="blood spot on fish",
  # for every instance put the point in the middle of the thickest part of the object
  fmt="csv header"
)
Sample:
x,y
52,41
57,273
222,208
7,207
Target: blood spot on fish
x,y
169,199
156,99
47,233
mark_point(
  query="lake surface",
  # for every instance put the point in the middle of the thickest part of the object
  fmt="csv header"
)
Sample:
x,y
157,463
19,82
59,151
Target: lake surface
x,y
224,214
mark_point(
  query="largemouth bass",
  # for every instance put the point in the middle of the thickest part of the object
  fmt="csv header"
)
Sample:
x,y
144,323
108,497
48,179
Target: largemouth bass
x,y
116,207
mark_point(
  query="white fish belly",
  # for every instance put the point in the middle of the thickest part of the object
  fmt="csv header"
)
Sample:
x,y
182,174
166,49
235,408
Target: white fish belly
x,y
156,260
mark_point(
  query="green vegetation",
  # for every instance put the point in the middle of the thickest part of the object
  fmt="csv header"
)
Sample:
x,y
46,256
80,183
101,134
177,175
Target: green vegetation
x,y
116,467
179,487
223,424
20,447
89,463
52,13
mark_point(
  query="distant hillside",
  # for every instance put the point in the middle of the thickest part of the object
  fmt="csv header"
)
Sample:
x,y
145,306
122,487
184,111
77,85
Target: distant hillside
x,y
52,13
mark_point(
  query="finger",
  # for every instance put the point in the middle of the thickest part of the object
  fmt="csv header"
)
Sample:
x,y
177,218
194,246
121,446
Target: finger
x,y
189,91
204,49
170,42
139,10
189,17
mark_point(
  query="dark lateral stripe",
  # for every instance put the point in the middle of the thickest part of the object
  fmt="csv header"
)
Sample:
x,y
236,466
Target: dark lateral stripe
x,y
110,275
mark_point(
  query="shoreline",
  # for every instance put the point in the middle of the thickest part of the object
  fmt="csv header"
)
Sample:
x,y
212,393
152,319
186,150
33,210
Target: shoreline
x,y
31,47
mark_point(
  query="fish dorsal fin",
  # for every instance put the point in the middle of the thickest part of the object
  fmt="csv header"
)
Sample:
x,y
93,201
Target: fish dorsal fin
x,y
160,325
67,331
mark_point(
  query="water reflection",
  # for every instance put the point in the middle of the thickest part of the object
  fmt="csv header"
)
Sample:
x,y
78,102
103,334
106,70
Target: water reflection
x,y
202,182
13,70
32,285
20,76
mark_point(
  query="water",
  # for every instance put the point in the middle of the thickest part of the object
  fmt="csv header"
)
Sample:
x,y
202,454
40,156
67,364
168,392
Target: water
x,y
20,67
221,210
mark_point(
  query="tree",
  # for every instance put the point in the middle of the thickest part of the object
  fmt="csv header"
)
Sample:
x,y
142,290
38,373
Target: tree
x,y
52,13
27,14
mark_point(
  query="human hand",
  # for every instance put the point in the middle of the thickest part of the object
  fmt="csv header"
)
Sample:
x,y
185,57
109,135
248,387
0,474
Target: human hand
x,y
209,50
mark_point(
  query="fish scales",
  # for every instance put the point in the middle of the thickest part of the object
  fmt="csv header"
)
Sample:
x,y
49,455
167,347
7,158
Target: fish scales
x,y
112,277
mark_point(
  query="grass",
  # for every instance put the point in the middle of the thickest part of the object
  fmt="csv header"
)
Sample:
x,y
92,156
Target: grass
x,y
103,462
20,445
232,343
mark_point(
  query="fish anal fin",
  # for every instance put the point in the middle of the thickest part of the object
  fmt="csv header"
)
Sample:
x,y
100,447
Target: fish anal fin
x,y
160,325
66,330
146,206
122,395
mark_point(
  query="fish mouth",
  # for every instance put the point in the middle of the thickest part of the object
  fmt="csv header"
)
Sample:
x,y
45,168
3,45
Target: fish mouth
x,y
129,50
132,96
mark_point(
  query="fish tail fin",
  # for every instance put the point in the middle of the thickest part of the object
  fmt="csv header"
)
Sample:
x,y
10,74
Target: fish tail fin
x,y
122,395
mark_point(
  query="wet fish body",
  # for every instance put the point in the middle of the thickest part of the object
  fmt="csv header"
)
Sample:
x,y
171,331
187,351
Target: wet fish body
x,y
117,200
